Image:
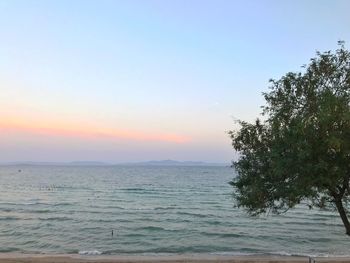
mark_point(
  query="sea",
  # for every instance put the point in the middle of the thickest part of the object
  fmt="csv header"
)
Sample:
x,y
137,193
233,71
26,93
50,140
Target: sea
x,y
150,210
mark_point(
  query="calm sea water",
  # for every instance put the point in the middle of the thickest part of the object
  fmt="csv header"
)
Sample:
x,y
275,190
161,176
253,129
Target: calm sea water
x,y
48,209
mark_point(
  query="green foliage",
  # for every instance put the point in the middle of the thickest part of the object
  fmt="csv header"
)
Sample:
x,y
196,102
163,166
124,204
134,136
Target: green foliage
x,y
301,151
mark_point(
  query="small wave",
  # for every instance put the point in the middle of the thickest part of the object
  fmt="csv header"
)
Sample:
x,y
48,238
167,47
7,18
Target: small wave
x,y
152,228
132,189
35,203
43,211
233,253
214,222
90,252
112,220
166,208
8,249
16,204
9,218
283,253
192,214
223,235
63,204
6,209
63,218
277,253
107,207
156,228
291,254
172,220
208,202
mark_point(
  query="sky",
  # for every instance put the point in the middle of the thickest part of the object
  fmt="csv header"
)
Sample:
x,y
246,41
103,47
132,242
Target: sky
x,y
124,81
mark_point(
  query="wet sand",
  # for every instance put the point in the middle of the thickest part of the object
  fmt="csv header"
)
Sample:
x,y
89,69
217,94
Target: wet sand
x,y
26,258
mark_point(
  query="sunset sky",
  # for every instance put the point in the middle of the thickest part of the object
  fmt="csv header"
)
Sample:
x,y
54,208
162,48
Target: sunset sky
x,y
122,81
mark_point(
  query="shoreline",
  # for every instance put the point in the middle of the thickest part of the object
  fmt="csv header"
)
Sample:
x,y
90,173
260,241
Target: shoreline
x,y
191,258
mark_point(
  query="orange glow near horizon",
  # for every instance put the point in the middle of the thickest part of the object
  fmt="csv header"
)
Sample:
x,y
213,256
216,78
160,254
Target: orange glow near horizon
x,y
57,128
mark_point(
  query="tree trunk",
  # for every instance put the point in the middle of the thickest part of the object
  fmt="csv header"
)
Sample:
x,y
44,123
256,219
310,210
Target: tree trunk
x,y
342,213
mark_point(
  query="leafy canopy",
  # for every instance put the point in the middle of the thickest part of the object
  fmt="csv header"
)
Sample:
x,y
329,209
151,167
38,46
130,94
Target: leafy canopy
x,y
301,150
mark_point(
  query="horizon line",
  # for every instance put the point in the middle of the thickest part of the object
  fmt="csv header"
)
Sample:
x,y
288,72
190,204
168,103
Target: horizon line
x,y
106,163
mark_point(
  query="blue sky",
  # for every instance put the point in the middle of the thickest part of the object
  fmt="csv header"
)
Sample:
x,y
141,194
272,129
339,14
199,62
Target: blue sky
x,y
138,80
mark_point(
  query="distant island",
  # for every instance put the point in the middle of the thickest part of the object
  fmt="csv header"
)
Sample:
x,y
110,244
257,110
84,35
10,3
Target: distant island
x,y
95,163
177,163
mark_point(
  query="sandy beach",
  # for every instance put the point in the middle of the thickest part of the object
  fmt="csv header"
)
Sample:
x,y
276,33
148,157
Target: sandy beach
x,y
31,258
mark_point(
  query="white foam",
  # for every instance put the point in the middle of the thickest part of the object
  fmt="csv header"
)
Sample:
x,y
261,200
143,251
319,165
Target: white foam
x,y
90,252
233,253
283,253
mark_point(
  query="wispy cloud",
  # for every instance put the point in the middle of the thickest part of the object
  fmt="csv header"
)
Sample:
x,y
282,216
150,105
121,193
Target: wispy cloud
x,y
58,128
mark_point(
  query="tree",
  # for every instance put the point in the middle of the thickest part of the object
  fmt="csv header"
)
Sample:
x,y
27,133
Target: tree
x,y
300,151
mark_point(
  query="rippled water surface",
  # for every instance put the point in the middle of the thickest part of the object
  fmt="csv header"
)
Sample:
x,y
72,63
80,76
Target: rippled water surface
x,y
56,209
